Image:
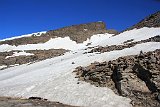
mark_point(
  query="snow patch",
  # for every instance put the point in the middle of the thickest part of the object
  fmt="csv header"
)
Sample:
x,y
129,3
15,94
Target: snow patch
x,y
85,29
19,54
2,66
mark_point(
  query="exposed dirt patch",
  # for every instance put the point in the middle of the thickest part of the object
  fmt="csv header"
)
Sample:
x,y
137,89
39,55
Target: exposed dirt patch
x,y
135,76
15,102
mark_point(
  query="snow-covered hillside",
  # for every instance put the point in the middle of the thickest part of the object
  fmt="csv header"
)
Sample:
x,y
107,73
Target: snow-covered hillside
x,y
57,43
53,78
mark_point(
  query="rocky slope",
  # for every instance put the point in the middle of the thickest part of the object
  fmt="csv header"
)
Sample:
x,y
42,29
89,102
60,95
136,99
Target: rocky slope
x,y
78,33
152,20
136,77
8,59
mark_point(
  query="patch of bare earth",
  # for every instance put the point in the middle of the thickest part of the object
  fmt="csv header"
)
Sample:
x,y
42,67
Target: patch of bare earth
x,y
31,102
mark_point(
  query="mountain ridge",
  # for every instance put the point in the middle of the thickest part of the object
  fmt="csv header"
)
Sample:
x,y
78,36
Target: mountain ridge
x,y
81,67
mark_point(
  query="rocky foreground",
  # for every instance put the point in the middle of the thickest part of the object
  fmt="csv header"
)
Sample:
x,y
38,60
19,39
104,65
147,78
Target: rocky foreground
x,y
31,102
136,77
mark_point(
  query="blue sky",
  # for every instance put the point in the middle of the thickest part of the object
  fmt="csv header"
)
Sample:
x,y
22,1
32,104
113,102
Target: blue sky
x,y
19,17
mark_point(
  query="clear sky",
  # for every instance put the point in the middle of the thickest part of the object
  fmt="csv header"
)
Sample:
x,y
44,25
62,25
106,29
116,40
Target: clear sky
x,y
19,17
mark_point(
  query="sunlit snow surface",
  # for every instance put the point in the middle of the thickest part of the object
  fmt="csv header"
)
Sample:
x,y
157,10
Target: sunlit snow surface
x,y
53,78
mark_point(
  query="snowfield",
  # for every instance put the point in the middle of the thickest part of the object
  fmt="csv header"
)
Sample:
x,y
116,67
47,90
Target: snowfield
x,y
53,78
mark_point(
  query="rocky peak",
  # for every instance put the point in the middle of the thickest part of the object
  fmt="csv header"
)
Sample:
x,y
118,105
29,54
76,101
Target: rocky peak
x,y
81,32
152,20
78,33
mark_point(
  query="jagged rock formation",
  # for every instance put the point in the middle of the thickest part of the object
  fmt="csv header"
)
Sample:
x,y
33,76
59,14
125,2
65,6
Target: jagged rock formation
x,y
136,77
78,33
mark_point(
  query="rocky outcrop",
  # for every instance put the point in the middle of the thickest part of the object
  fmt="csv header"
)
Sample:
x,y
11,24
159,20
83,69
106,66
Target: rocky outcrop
x,y
135,76
78,33
39,55
126,44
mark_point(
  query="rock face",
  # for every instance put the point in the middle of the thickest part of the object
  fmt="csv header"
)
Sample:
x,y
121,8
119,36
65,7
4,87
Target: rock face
x,y
136,77
78,33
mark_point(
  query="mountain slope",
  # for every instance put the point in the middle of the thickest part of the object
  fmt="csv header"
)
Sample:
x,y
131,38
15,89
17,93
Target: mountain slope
x,y
53,78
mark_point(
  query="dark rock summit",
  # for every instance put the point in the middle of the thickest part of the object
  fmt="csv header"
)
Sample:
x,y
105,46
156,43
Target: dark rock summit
x,y
152,20
78,33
